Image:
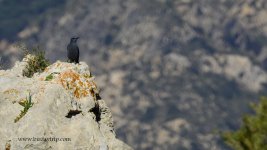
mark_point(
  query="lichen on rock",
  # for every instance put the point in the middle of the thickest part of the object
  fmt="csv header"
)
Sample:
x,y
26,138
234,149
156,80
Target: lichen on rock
x,y
78,80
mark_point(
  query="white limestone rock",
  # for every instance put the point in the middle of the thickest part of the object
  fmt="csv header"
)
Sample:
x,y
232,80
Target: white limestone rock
x,y
64,108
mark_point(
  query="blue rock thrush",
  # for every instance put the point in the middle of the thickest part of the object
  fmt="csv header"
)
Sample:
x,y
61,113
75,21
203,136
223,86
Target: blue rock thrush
x,y
73,50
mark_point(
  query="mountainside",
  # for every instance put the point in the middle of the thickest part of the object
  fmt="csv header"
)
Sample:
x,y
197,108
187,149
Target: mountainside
x,y
174,71
60,110
15,15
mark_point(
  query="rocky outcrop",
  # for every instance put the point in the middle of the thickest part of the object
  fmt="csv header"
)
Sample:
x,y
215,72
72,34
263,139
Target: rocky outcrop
x,y
67,111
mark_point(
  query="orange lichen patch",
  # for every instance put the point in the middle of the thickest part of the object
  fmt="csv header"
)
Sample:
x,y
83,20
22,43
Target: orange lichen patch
x,y
79,85
11,91
41,79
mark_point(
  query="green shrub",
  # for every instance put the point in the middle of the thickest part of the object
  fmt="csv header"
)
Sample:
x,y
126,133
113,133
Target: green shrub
x,y
36,61
27,104
252,135
49,77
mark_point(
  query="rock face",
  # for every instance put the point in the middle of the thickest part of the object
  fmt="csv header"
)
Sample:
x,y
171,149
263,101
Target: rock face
x,y
67,111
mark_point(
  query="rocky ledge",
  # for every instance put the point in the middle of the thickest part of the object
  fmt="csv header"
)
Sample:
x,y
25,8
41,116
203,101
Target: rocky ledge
x,y
59,108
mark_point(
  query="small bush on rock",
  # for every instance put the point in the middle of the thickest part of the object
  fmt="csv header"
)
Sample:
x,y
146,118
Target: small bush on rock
x,y
36,61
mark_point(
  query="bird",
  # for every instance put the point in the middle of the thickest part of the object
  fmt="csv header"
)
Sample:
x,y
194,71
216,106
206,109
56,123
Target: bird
x,y
73,50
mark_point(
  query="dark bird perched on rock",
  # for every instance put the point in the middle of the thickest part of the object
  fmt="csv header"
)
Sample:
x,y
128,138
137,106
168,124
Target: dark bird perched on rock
x,y
73,50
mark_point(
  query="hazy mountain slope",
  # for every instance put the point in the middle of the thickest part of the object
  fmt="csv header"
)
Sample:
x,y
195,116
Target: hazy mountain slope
x,y
175,71
17,14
